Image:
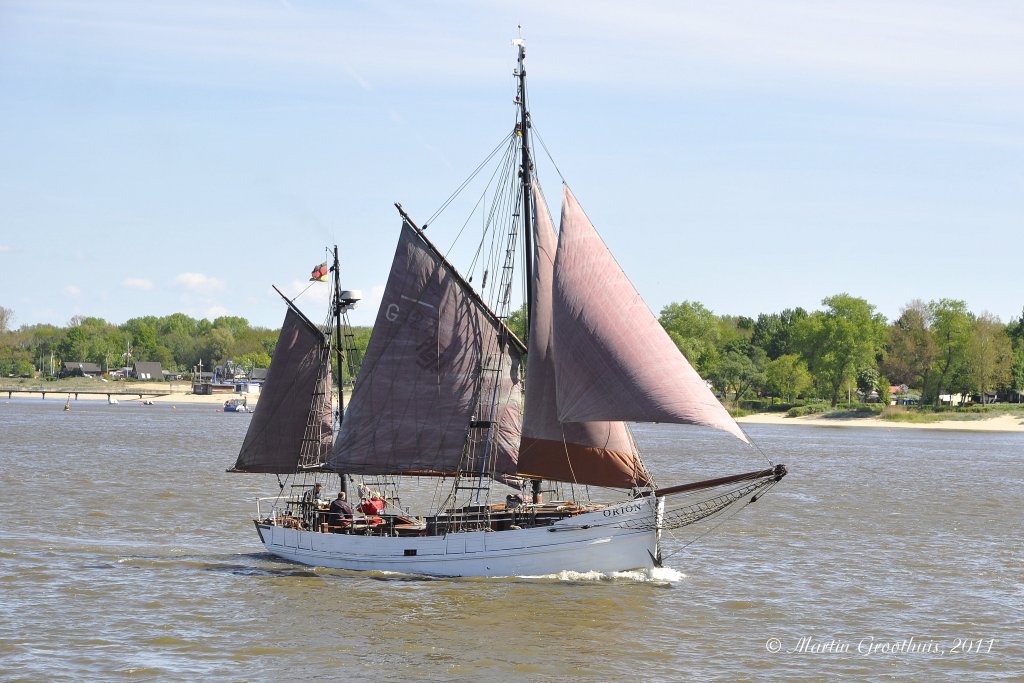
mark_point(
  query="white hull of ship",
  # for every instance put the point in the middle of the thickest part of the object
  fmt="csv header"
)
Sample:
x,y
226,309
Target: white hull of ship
x,y
604,541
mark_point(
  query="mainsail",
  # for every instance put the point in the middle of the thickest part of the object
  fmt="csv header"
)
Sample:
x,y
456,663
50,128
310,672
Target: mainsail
x,y
596,453
438,363
293,426
614,360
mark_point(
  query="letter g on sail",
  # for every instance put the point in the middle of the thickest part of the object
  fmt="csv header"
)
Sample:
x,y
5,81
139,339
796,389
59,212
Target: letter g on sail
x,y
392,312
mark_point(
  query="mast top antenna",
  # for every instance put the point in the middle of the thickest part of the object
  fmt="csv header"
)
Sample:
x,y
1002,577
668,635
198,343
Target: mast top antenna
x,y
520,41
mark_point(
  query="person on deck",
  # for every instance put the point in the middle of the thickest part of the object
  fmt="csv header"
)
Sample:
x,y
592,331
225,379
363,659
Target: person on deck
x,y
310,504
340,512
372,508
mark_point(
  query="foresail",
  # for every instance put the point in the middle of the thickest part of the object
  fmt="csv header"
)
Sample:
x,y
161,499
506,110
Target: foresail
x,y
436,361
595,453
293,424
615,361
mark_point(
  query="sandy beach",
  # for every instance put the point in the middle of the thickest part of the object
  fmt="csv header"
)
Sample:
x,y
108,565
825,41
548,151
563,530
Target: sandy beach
x,y
999,423
181,393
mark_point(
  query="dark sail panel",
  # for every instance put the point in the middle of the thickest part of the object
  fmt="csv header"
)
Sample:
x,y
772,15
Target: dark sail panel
x,y
292,425
435,363
595,453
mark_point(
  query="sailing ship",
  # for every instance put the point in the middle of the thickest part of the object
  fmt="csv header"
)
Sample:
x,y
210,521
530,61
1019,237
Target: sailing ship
x,y
472,451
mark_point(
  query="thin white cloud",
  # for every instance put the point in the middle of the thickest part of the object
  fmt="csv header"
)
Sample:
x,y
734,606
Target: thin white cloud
x,y
198,282
4,248
137,283
312,297
215,312
72,290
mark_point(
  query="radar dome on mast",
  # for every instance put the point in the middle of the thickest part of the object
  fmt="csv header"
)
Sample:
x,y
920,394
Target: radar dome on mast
x,y
348,298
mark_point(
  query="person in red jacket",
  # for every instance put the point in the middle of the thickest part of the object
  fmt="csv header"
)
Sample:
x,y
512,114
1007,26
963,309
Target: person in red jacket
x,y
372,508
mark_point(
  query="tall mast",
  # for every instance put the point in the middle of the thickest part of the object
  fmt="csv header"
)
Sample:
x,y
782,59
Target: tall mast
x,y
526,181
337,310
337,336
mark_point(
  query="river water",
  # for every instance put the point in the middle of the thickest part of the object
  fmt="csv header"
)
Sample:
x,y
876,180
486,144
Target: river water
x,y
127,553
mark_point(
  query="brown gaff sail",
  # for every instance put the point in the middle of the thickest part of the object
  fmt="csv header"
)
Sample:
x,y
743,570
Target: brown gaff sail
x,y
595,453
293,424
438,360
614,361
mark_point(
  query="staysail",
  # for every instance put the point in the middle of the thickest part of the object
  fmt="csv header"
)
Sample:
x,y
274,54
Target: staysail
x,y
615,361
293,426
595,453
438,360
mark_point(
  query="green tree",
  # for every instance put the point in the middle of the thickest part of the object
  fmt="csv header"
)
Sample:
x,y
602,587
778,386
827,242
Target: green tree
x,y
695,331
989,355
837,342
256,359
233,323
884,391
177,323
734,332
1016,331
867,380
739,373
37,340
218,345
144,336
184,348
74,347
910,350
951,329
773,331
787,377
1017,373
517,322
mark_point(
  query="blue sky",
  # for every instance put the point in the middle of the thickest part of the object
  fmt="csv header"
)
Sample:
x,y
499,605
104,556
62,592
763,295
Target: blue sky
x,y
158,157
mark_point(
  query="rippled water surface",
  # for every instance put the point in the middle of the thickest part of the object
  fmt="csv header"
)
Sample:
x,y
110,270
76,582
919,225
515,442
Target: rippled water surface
x,y
127,553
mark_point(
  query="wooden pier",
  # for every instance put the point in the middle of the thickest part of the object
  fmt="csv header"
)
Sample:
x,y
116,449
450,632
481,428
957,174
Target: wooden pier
x,y
89,392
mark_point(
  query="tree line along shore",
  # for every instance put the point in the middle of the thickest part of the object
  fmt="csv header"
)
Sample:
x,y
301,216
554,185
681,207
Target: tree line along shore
x,y
936,355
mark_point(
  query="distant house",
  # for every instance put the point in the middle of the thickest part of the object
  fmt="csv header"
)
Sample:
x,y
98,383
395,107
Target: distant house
x,y
171,376
258,375
900,395
79,369
148,370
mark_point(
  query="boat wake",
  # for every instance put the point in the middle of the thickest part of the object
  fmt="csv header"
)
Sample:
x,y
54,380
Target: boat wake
x,y
657,576
653,575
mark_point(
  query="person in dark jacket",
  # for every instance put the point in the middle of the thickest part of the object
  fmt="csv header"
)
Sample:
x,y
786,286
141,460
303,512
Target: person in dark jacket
x,y
340,512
